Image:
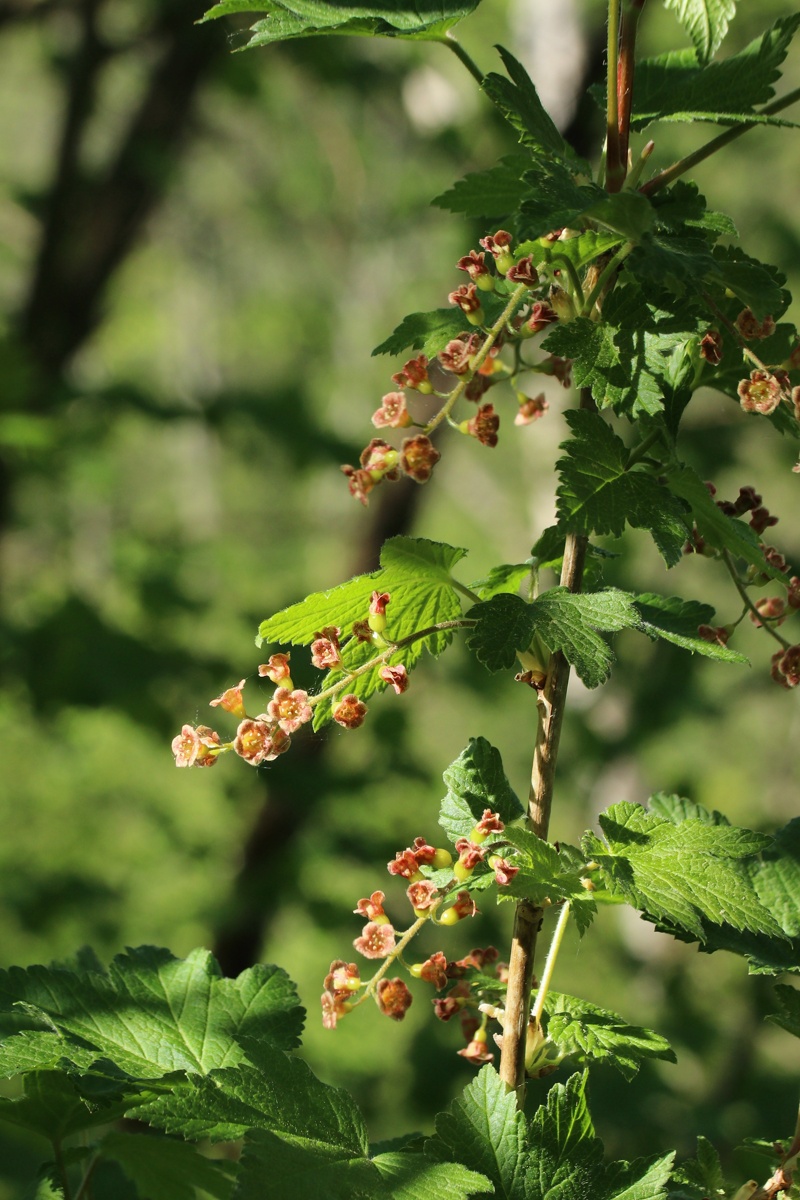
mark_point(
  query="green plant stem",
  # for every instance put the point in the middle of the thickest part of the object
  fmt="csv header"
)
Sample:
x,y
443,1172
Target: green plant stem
x,y
479,357
638,452
408,936
742,590
550,962
461,54
605,277
615,173
632,10
528,917
665,177
577,287
61,1167
83,1190
465,591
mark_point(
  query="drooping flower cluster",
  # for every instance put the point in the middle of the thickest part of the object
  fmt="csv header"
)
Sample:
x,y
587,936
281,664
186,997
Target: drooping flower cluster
x,y
264,737
469,364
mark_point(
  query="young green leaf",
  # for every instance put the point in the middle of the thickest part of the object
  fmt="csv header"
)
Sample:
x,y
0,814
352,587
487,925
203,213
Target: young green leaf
x,y
788,1014
150,1014
677,87
429,332
564,1147
701,1177
476,781
683,874
426,19
408,1176
706,22
544,873
504,628
592,1034
677,621
416,573
570,623
165,1169
598,494
518,101
777,878
493,193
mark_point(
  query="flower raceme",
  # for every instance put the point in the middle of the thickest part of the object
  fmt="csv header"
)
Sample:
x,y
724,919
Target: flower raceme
x,y
264,737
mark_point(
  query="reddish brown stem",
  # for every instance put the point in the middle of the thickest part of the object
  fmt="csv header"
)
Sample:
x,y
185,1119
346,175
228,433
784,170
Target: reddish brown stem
x,y
625,70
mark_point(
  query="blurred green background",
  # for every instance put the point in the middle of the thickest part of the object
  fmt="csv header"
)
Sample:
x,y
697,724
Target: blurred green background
x,y
198,251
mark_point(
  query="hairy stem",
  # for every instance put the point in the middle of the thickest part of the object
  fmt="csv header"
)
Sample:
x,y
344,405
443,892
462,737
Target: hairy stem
x,y
631,12
665,177
461,54
528,918
615,170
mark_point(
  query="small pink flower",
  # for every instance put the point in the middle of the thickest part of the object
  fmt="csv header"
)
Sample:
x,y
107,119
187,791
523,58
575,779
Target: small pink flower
x,y
325,648
342,977
231,700
476,1051
394,998
359,482
473,263
334,1005
397,677
433,970
504,872
380,460
484,425
260,740
524,272
793,594
796,402
378,602
531,409
421,894
478,959
490,822
786,667
277,669
446,1007
751,328
467,298
716,634
376,941
405,864
772,609
541,315
465,906
350,712
414,375
457,354
392,412
195,747
469,854
371,907
422,851
761,393
499,247
290,710
418,458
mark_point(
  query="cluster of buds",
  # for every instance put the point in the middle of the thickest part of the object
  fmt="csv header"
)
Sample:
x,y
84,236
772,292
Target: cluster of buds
x,y
262,738
470,362
786,667
435,906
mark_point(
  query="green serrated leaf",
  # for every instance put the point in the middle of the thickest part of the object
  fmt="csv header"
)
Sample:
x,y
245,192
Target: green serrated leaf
x,y
592,1034
756,285
518,101
273,1169
505,578
567,1153
150,1014
788,1014
426,19
598,494
484,1130
494,193
416,573
543,873
684,874
677,621
416,1177
476,781
777,878
163,1169
570,623
428,332
706,22
504,628
53,1106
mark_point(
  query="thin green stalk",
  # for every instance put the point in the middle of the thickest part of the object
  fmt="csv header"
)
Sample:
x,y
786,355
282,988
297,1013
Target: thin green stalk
x,y
83,1190
665,177
574,278
461,54
605,277
550,962
465,591
61,1167
615,171
638,452
742,590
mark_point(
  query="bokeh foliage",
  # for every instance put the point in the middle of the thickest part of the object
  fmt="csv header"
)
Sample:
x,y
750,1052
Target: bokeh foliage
x,y
170,433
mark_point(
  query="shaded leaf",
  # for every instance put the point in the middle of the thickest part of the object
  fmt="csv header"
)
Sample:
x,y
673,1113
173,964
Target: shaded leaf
x,y
476,781
677,621
570,623
593,1034
165,1169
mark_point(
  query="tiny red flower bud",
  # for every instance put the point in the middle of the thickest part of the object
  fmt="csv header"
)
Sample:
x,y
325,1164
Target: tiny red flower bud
x,y
350,712
772,609
392,412
361,631
473,263
469,853
468,300
504,871
711,347
418,458
290,710
377,940
446,1007
747,500
761,519
524,272
433,970
231,700
195,747
787,663
541,315
751,328
775,558
499,248
718,634
359,482
793,595
394,998
378,602
761,393
277,669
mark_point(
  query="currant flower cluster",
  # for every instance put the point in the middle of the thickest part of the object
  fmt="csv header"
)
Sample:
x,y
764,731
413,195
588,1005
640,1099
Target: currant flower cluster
x,y
469,365
263,738
768,612
444,905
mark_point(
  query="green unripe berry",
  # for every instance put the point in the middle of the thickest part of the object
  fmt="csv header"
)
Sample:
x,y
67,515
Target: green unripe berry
x,y
449,917
477,835
441,859
377,622
416,970
461,872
